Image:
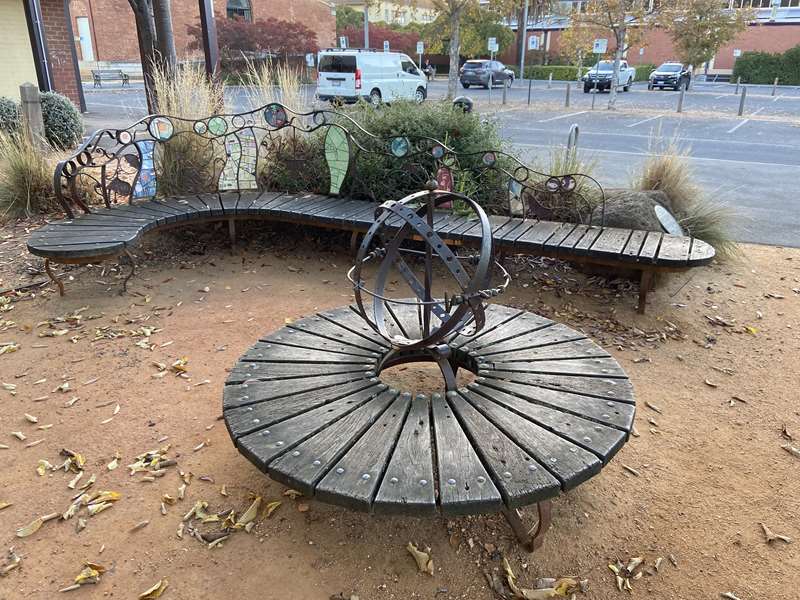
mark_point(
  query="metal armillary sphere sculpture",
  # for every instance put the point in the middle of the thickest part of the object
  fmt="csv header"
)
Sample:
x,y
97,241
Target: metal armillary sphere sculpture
x,y
438,316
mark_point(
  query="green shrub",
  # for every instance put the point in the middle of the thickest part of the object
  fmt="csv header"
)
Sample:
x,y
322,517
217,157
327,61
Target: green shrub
x,y
643,71
758,67
790,67
9,115
26,177
560,72
63,125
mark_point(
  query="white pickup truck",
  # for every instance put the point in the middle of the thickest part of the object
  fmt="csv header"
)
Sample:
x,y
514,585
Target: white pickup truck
x,y
599,76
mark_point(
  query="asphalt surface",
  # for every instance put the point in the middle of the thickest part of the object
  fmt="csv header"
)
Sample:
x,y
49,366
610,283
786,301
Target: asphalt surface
x,y
751,162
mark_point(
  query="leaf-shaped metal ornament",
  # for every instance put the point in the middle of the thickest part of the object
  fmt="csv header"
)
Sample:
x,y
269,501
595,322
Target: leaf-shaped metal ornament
x,y
337,155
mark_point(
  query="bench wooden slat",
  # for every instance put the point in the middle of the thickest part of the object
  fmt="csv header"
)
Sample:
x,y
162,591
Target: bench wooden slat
x,y
267,444
567,244
302,341
521,479
354,479
581,248
537,235
212,201
523,324
580,348
324,443
411,462
249,393
542,337
247,419
456,460
498,315
674,250
585,367
278,353
610,242
554,241
611,391
251,372
701,253
566,461
634,246
649,249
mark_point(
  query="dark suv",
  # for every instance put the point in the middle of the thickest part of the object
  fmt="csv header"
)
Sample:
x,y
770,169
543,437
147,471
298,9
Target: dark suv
x,y
477,72
670,74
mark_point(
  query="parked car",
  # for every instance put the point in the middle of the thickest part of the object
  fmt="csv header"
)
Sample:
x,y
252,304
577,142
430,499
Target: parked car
x,y
599,76
478,72
670,74
349,74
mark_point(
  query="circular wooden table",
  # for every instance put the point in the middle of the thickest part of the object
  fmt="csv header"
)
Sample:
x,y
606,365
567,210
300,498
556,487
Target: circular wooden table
x,y
548,409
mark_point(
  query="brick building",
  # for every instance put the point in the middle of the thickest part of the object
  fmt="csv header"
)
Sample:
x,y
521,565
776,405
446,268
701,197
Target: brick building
x,y
775,29
106,30
38,48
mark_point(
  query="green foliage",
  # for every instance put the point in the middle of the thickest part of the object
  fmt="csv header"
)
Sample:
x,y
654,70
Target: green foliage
x,y
63,125
701,27
560,72
26,177
9,115
478,24
347,17
764,67
643,71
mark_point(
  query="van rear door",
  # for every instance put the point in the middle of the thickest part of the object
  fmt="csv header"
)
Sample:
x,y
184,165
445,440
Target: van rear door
x,y
337,75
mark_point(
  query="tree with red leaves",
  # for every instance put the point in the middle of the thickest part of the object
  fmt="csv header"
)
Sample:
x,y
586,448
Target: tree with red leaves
x,y
399,41
265,37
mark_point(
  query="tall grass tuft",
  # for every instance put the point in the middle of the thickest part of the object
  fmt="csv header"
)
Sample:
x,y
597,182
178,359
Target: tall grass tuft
x,y
187,162
667,168
270,81
26,177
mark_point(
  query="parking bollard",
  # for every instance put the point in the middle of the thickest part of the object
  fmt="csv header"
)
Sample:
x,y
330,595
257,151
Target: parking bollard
x,y
741,101
505,89
738,81
491,85
550,81
594,97
566,98
530,85
680,99
775,86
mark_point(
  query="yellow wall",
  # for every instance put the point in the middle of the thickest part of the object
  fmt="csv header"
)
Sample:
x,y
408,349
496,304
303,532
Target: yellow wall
x,y
16,58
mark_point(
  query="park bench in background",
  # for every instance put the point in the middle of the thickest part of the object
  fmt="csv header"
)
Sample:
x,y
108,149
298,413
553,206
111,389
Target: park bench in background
x,y
101,75
119,170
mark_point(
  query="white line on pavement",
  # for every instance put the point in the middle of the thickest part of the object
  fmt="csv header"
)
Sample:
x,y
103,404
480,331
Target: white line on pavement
x,y
754,113
563,116
776,98
735,127
644,121
126,106
643,154
722,96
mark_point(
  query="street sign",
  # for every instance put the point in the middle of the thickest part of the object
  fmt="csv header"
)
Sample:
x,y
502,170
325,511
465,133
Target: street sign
x,y
641,51
310,59
600,46
737,52
385,45
342,41
420,48
492,45
533,42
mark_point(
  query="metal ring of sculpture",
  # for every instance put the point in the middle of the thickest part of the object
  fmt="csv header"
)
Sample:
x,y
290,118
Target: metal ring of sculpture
x,y
462,312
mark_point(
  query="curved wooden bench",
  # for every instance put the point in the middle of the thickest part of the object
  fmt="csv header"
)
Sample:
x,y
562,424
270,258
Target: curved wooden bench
x,y
548,410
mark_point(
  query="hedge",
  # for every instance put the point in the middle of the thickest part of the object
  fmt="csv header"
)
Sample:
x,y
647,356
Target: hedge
x,y
570,73
643,71
764,67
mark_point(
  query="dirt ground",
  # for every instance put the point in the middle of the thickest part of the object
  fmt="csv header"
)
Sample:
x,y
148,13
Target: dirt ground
x,y
714,364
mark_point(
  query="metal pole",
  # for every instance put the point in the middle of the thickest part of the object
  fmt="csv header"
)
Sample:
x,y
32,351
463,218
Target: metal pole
x,y
594,97
524,47
738,81
491,85
366,26
572,138
775,86
550,81
505,88
741,101
209,31
530,85
680,99
566,98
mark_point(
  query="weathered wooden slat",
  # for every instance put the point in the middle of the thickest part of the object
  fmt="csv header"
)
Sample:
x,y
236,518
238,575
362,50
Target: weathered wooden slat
x,y
246,198
581,248
465,486
610,390
520,478
601,440
577,348
313,458
252,372
78,250
634,245
536,236
354,479
568,242
265,445
674,250
553,243
200,207
278,353
649,249
610,243
411,463
495,316
302,341
245,394
524,324
568,462
702,253
213,203
333,332
618,414
586,367
509,231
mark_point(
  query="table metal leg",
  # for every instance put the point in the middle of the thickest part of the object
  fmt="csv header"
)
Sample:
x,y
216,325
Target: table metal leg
x,y
531,539
52,276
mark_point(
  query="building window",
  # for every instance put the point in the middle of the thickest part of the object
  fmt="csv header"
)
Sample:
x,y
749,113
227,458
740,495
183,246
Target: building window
x,y
240,9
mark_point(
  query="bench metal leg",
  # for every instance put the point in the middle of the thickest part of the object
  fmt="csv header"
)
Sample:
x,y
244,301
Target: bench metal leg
x,y
645,285
131,274
531,539
52,276
354,242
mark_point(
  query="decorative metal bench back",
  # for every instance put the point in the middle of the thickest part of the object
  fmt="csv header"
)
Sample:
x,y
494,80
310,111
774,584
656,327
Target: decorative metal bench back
x,y
122,165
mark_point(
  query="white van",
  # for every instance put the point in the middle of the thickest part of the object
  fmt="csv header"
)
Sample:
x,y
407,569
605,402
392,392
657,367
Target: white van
x,y
347,74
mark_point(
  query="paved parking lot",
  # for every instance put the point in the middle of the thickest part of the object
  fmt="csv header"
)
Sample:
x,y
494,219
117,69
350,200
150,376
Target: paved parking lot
x,y
750,162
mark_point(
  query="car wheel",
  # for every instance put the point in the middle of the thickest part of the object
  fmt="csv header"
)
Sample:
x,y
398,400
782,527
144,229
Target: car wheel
x,y
465,85
649,86
661,87
510,81
419,95
375,97
627,86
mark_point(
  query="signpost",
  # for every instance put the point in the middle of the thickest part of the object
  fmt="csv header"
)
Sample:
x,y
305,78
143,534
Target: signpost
x,y
737,52
533,42
420,52
385,45
492,46
342,41
600,46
